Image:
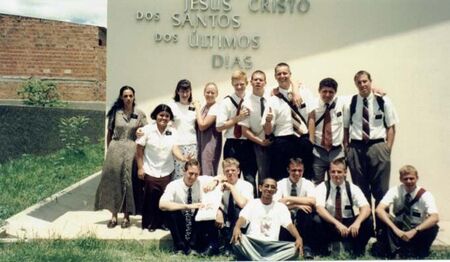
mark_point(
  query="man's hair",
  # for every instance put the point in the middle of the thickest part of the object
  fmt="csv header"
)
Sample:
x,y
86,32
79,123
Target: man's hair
x,y
328,82
238,75
265,179
408,169
340,161
280,65
258,72
295,161
230,161
360,73
192,162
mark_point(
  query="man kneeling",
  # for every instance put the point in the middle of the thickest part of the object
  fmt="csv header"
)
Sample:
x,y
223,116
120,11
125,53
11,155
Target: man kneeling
x,y
264,217
335,201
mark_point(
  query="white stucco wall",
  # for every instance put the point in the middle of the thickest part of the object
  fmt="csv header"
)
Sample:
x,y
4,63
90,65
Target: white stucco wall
x,y
404,44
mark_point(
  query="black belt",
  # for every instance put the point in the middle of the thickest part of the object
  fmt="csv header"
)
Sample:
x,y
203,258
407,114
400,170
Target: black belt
x,y
368,143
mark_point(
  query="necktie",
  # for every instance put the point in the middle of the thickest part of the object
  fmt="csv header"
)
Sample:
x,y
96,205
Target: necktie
x,y
338,205
237,128
294,189
263,106
297,124
231,211
365,119
407,212
327,136
188,216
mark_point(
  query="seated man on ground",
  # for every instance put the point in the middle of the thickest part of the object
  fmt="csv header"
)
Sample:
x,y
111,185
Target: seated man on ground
x,y
297,193
264,217
181,201
236,193
335,201
414,227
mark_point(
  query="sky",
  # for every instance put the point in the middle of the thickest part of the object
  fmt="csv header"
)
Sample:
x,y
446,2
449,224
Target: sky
x,y
92,12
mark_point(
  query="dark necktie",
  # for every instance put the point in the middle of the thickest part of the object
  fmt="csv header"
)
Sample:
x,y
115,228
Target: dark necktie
x,y
407,212
298,125
263,106
294,189
231,210
293,210
327,136
365,119
237,128
338,204
188,216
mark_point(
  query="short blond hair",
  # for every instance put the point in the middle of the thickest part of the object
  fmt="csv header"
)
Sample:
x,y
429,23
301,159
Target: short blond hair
x,y
230,161
239,75
408,169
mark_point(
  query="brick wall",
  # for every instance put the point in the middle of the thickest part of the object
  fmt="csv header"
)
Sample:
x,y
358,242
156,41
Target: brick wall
x,y
71,55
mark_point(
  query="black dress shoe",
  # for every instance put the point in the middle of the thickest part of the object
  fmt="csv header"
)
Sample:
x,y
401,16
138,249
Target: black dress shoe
x,y
210,251
307,253
150,229
112,224
125,223
163,227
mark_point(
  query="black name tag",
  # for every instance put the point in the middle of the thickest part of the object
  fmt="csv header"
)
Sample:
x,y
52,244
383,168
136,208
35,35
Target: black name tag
x,y
303,105
168,133
348,207
338,114
415,214
378,116
191,108
134,116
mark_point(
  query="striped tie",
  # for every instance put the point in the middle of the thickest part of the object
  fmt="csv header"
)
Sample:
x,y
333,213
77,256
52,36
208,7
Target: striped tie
x,y
188,217
365,119
327,136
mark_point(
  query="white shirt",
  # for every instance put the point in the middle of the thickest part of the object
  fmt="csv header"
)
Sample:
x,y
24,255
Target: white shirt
x,y
304,188
282,118
228,110
184,121
359,200
243,187
395,197
376,123
253,121
177,191
265,220
158,157
337,121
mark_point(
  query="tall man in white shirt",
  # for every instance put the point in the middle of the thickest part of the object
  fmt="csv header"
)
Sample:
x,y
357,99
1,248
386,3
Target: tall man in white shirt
x,y
181,201
287,124
414,226
264,217
297,193
251,126
231,112
369,132
335,200
326,129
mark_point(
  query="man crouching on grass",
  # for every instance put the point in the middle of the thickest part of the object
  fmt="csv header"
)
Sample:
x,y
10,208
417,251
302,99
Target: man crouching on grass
x,y
265,217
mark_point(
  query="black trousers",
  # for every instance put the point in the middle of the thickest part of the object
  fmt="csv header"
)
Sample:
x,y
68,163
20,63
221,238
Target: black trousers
x,y
243,151
327,233
204,233
418,247
286,147
305,226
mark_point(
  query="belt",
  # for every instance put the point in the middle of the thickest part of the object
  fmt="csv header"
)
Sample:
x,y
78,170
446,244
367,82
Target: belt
x,y
368,143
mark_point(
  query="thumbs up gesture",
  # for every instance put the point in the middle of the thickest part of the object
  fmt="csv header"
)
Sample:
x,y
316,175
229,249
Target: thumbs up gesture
x,y
269,116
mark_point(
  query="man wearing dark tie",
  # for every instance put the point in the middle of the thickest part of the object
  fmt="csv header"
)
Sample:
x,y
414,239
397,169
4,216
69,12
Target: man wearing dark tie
x,y
414,225
326,129
335,202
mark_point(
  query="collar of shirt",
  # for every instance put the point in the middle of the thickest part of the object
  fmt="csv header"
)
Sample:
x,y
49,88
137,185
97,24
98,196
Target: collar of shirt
x,y
369,97
413,193
256,98
322,104
237,98
333,186
154,128
284,92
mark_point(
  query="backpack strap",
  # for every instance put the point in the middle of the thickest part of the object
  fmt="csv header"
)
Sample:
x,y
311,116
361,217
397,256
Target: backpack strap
x,y
349,195
232,101
380,102
293,108
333,105
353,108
412,202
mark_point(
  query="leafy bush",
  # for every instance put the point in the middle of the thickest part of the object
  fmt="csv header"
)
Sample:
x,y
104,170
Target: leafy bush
x,y
38,92
70,133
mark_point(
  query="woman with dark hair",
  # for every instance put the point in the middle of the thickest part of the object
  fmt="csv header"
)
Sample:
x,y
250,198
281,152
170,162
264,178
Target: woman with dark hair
x,y
155,154
209,139
115,191
184,123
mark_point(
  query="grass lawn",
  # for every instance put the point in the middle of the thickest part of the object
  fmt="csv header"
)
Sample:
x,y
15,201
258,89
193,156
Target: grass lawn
x,y
91,249
29,179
